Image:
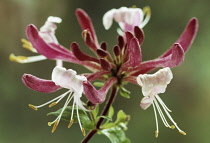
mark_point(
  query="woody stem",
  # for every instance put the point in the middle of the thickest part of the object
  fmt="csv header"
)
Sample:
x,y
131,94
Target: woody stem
x,y
104,113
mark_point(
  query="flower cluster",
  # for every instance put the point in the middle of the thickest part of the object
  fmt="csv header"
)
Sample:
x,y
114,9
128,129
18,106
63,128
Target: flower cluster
x,y
124,66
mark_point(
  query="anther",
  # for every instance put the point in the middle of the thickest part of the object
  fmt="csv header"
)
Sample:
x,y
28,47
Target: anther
x,y
55,126
32,106
70,123
172,127
52,104
156,134
84,33
83,132
49,123
182,132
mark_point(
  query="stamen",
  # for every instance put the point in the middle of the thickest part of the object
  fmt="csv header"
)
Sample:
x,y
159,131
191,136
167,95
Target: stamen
x,y
27,45
172,127
182,132
55,126
52,104
84,33
23,59
169,116
70,123
161,114
147,12
162,103
83,132
82,129
33,107
156,120
156,134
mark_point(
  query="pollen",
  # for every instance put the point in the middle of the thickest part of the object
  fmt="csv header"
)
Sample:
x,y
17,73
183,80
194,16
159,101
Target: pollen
x,y
83,132
156,134
27,45
55,126
32,106
182,132
18,59
84,33
52,104
172,127
70,123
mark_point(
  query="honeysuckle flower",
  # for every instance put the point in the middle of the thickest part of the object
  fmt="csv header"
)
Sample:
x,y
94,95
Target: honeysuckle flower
x,y
152,85
61,78
127,18
68,79
47,32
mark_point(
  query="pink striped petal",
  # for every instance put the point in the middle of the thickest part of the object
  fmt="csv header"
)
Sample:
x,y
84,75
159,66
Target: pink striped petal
x,y
51,51
86,22
187,37
38,84
172,60
97,96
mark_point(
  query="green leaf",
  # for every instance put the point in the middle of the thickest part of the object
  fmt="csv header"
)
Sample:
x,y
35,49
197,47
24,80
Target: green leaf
x,y
122,119
86,122
124,92
98,84
95,112
111,112
115,135
105,117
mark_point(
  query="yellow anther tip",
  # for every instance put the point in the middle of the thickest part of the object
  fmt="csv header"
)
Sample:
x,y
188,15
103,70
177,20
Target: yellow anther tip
x,y
84,33
70,123
182,132
172,127
18,59
52,104
83,132
55,126
32,106
49,123
156,134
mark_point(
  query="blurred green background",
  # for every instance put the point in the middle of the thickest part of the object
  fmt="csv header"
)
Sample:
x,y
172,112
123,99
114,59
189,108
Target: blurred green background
x,y
188,95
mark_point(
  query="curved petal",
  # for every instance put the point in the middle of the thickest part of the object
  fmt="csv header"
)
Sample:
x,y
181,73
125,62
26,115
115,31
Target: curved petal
x,y
146,102
108,18
97,96
38,84
187,37
172,60
86,23
156,83
51,51
78,101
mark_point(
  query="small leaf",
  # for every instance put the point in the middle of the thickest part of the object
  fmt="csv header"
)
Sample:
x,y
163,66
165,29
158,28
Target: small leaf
x,y
122,119
108,125
111,112
124,92
95,112
86,122
105,117
115,135
98,84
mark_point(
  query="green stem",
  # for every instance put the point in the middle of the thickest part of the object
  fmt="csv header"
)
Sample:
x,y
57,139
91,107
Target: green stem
x,y
104,113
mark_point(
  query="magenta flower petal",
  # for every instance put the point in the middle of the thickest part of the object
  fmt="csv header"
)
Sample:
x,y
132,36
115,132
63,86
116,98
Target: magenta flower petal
x,y
38,84
86,22
187,37
97,96
80,55
105,65
51,51
139,34
172,60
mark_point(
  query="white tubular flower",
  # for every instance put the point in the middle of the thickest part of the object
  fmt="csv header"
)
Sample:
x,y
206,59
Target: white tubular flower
x,y
74,83
152,85
47,32
127,18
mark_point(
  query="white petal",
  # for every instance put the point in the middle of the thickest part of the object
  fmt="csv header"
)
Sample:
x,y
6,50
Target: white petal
x,y
156,83
54,19
108,18
146,102
68,79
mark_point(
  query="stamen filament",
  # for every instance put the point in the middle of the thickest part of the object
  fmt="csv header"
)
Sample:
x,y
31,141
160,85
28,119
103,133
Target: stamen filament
x,y
156,120
161,114
82,129
162,103
147,12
